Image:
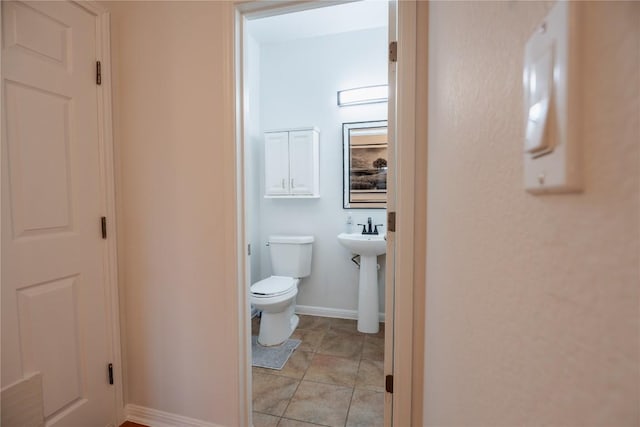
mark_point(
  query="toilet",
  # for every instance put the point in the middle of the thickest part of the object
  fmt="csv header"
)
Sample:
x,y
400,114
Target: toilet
x,y
276,295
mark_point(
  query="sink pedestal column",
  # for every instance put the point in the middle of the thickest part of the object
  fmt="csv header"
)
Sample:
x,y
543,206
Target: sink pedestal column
x,y
368,295
368,247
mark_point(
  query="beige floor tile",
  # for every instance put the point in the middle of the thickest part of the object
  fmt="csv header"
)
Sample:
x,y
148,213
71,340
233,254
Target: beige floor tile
x,y
318,403
260,370
367,409
295,367
347,325
297,364
341,344
284,422
371,375
264,420
310,339
332,370
271,393
373,348
328,362
313,323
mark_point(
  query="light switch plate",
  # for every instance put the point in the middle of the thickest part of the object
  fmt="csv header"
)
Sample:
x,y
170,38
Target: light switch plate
x,y
553,165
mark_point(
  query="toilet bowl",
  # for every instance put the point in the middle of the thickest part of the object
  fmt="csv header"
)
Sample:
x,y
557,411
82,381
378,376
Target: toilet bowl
x,y
275,296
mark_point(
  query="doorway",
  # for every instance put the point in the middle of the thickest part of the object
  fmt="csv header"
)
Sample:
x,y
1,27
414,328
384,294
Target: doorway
x,y
253,11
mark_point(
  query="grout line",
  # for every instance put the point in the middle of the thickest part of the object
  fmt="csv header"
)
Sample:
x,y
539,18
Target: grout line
x,y
293,394
353,390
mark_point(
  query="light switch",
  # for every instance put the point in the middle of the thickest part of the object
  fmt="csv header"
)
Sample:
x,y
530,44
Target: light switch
x,y
540,92
551,104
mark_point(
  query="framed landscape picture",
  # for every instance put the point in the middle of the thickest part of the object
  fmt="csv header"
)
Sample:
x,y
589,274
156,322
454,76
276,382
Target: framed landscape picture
x,y
365,158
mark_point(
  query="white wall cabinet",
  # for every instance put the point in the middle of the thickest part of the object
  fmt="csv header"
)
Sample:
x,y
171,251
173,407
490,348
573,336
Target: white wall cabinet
x,y
292,167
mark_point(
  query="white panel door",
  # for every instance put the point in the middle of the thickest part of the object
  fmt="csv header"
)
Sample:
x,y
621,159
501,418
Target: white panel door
x,y
54,308
276,165
301,162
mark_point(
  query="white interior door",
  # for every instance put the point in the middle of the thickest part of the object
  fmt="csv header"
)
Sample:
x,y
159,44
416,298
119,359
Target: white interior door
x,y
54,308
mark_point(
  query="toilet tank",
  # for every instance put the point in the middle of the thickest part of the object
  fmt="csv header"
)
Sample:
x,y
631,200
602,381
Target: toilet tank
x,y
290,255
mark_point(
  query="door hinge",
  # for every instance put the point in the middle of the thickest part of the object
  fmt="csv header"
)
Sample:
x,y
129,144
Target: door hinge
x,y
110,369
249,249
391,221
393,52
98,73
388,383
103,224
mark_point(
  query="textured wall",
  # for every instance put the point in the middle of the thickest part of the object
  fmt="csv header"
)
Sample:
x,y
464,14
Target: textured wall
x,y
532,301
175,172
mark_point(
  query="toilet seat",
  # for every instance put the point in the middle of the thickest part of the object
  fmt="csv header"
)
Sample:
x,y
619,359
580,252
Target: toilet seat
x,y
273,286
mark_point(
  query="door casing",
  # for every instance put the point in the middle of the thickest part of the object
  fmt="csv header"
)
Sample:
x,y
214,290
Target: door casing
x,y
401,326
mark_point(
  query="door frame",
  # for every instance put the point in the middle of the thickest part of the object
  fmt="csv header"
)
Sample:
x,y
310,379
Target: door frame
x,y
407,405
404,401
107,174
107,181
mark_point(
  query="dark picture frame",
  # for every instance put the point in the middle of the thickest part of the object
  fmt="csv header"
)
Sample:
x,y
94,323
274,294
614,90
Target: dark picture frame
x,y
365,157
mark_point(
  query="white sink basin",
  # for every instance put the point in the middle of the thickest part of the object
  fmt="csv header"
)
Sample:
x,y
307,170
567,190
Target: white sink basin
x,y
364,244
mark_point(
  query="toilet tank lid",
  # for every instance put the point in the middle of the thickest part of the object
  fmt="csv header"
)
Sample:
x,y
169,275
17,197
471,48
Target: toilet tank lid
x,y
292,240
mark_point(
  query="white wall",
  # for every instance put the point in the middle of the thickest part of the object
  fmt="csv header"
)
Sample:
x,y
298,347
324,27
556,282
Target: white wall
x,y
253,161
298,87
532,313
176,200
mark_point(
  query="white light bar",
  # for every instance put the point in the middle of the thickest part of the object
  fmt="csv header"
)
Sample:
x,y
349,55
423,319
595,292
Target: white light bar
x,y
363,95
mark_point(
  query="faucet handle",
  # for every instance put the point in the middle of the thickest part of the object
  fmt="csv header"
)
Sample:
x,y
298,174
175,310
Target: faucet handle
x,y
375,230
364,228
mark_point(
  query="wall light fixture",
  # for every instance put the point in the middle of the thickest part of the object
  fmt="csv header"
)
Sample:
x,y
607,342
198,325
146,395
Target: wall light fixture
x,y
363,95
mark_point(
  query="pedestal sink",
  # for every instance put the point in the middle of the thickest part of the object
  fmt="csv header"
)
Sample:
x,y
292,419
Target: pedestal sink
x,y
368,246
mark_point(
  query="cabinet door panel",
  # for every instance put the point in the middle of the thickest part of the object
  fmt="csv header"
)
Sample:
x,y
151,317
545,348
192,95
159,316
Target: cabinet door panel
x,y
301,162
276,171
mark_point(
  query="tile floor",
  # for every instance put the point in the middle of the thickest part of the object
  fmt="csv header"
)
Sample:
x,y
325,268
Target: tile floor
x,y
334,378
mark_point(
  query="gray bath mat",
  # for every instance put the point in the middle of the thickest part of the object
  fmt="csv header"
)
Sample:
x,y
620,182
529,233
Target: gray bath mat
x,y
272,357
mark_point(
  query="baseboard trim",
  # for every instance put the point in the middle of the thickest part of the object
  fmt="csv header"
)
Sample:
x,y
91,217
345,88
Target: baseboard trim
x,y
156,418
330,312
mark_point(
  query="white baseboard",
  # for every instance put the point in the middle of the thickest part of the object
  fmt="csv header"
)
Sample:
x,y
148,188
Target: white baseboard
x,y
330,312
156,418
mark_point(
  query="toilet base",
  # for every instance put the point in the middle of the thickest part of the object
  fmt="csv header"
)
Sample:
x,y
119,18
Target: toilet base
x,y
276,328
